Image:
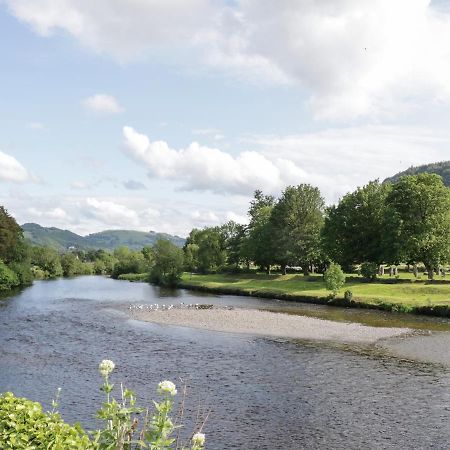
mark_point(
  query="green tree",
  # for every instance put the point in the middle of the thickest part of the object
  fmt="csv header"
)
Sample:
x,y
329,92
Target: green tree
x,y
334,278
233,237
47,260
296,222
256,244
10,235
354,229
129,261
418,221
168,263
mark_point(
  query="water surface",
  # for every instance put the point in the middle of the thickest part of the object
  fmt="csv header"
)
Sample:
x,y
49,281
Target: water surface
x,y
263,393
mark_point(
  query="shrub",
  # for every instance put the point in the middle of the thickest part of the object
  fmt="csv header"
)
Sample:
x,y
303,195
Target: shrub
x,y
348,295
8,278
369,270
23,425
334,278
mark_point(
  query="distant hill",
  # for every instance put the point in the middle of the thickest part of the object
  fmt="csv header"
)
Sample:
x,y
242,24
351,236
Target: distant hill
x,y
439,168
107,240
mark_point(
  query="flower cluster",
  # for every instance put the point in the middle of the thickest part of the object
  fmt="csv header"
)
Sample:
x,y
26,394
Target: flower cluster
x,y
198,439
106,367
167,387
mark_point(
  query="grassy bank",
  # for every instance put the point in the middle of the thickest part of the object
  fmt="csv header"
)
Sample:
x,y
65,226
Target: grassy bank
x,y
418,296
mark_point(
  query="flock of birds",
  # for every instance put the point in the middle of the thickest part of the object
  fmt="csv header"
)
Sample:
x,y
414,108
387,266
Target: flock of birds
x,y
158,307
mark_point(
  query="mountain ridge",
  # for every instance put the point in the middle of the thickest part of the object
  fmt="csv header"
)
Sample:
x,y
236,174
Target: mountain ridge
x,y
61,240
441,168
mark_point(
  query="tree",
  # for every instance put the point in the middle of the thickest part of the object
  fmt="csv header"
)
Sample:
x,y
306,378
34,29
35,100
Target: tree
x,y
296,222
418,221
233,236
354,229
334,278
47,260
168,263
10,235
256,244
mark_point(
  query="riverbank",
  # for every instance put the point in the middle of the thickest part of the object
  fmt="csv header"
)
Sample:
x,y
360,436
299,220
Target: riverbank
x,y
265,323
418,297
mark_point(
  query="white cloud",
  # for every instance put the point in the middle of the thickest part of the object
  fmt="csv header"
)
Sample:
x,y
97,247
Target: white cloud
x,y
102,103
199,167
353,57
56,214
124,29
111,213
339,159
11,169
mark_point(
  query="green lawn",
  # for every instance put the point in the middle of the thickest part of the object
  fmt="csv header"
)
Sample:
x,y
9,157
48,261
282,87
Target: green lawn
x,y
416,293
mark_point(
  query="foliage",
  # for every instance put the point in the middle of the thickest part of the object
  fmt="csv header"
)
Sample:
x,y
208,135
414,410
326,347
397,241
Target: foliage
x,y
354,229
23,425
348,295
8,278
72,265
439,168
129,261
369,270
418,221
48,260
334,278
296,222
168,263
256,244
10,235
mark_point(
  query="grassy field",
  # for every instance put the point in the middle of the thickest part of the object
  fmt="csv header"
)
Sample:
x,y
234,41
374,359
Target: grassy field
x,y
396,295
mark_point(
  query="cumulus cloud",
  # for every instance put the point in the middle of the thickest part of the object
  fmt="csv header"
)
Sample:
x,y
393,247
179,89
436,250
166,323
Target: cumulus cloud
x,y
339,159
102,103
12,170
353,57
199,167
111,213
126,30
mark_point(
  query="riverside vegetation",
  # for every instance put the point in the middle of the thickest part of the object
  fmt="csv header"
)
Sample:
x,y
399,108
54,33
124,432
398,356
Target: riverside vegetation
x,y
396,233
24,425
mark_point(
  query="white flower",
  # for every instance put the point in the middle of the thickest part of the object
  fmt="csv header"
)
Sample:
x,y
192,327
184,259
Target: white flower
x,y
106,367
198,439
167,387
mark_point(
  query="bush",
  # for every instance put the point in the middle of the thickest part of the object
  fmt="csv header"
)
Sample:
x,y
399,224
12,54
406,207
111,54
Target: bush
x,y
369,270
348,295
23,425
8,278
334,278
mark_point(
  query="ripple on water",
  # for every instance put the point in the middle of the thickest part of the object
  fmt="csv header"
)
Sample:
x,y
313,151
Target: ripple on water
x,y
262,393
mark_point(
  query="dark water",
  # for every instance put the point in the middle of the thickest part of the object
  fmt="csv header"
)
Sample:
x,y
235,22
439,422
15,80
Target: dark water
x,y
262,393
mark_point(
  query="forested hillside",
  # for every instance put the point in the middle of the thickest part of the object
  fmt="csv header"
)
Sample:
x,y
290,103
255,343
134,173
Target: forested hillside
x,y
439,168
107,240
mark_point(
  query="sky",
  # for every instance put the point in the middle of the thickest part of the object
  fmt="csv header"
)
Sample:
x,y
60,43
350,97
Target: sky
x,y
167,115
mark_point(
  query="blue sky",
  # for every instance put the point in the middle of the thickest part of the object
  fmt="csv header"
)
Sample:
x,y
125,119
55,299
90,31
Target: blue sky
x,y
168,115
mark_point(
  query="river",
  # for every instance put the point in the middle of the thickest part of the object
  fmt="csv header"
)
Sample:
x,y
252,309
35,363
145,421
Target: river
x,y
261,393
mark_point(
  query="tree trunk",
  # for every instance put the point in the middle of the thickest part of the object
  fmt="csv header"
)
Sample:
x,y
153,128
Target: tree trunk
x,y
430,274
268,269
415,270
283,269
381,270
391,271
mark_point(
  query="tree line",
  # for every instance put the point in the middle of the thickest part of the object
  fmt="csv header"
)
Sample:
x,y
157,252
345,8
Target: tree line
x,y
375,225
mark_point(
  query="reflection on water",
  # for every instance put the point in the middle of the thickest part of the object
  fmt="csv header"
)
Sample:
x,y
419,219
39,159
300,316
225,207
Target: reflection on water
x,y
263,393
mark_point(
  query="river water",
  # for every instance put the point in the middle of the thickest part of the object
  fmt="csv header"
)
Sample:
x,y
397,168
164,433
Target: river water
x,y
261,393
